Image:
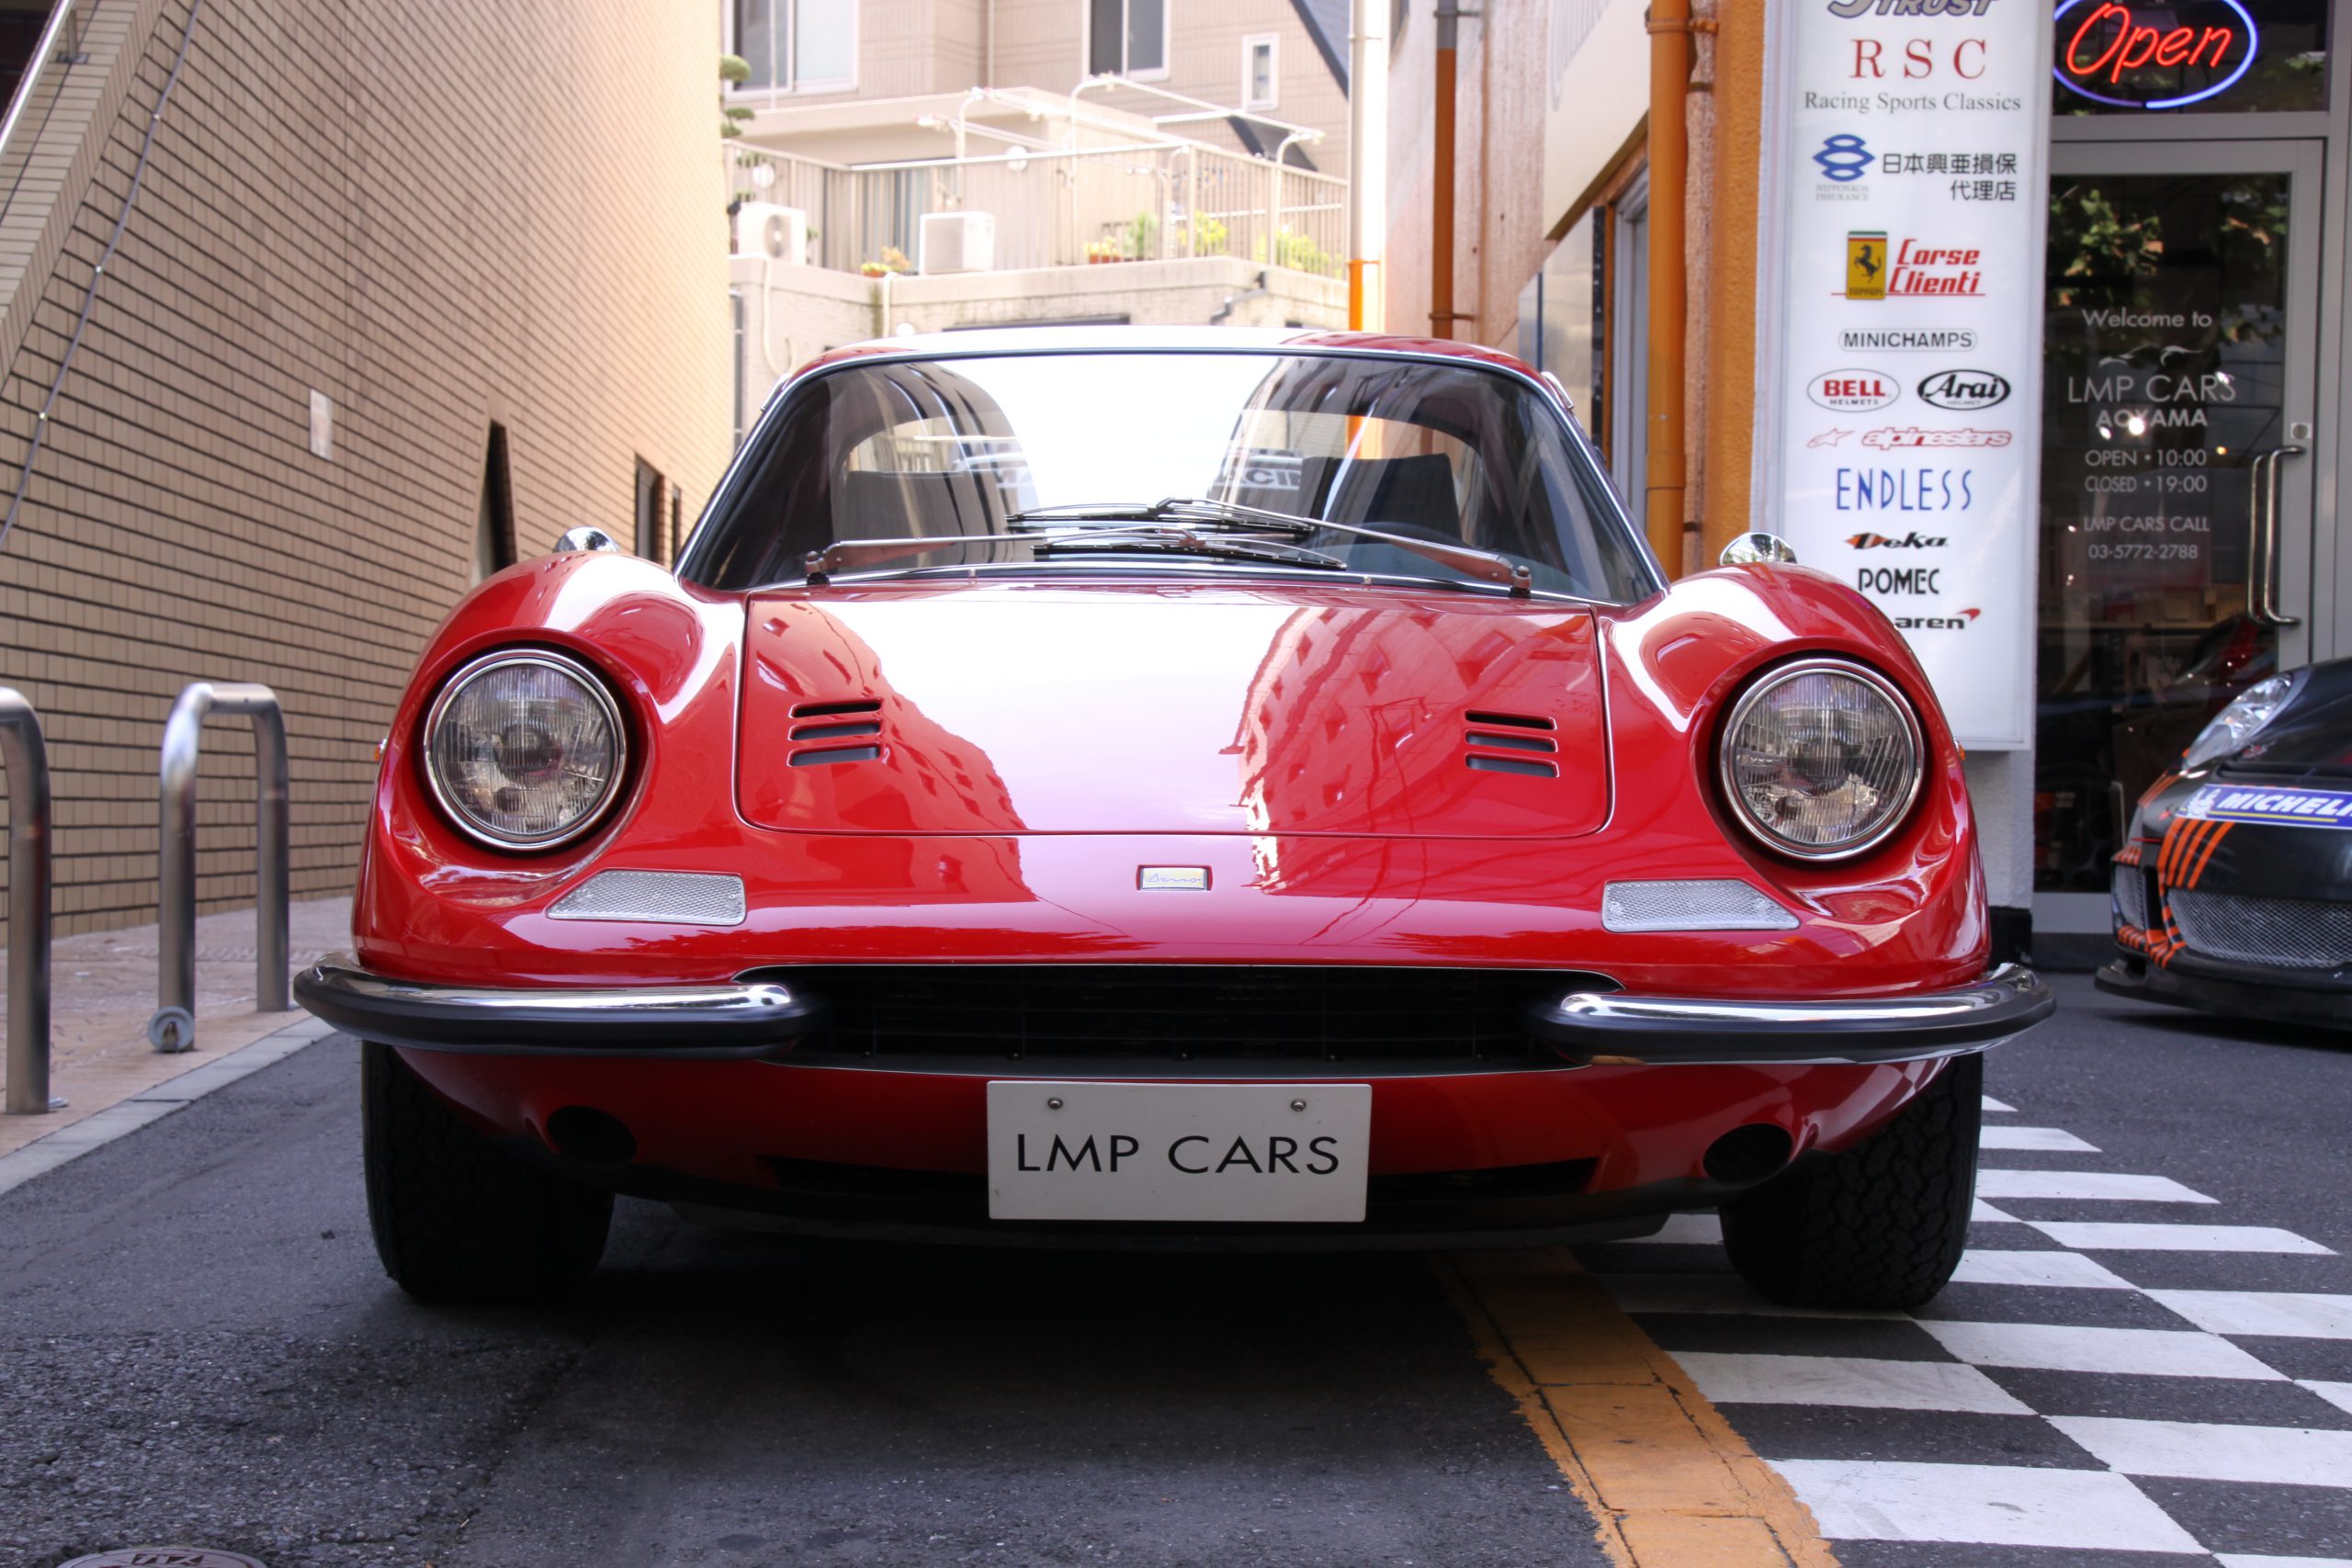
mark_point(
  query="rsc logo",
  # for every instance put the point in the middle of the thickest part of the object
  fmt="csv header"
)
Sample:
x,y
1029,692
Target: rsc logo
x,y
1844,157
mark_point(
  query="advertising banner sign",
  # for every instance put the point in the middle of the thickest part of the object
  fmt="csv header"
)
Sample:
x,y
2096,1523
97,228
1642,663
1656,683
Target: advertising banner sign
x,y
1901,379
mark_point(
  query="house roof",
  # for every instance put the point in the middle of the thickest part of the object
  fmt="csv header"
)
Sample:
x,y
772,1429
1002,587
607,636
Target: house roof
x,y
1326,23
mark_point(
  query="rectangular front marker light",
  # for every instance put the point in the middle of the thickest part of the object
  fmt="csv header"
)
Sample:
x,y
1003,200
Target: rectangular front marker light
x,y
667,897
1698,906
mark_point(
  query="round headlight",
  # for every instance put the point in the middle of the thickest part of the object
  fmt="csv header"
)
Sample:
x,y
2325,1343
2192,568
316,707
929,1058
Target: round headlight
x,y
1821,759
525,749
2238,724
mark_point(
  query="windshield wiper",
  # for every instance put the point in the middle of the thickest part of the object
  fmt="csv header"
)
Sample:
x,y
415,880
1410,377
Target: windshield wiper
x,y
1149,540
1484,565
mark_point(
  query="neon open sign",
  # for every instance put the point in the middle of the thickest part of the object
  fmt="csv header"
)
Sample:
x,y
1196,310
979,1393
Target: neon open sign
x,y
2107,49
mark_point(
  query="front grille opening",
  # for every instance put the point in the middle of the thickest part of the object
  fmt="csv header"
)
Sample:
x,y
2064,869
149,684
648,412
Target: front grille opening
x,y
1177,1013
821,756
1511,720
823,710
2276,933
836,732
1512,765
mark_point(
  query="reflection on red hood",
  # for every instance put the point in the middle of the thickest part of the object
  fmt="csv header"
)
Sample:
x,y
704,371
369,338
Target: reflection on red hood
x,y
1032,708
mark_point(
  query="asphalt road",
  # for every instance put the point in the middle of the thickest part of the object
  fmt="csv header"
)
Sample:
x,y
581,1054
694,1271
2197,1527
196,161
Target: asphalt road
x,y
196,1346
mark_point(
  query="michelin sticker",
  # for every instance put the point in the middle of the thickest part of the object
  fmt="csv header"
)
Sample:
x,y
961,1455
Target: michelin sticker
x,y
2294,807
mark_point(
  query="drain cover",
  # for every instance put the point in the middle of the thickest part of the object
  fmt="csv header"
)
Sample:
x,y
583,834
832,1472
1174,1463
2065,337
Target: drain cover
x,y
167,1557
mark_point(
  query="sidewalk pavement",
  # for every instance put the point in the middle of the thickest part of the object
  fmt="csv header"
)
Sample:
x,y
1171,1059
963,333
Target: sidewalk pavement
x,y
102,991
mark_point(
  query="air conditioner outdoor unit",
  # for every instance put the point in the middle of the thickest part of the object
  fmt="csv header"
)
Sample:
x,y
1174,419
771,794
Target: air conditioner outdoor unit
x,y
779,233
957,241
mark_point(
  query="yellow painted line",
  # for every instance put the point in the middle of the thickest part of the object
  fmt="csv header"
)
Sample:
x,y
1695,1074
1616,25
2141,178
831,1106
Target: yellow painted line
x,y
1667,1481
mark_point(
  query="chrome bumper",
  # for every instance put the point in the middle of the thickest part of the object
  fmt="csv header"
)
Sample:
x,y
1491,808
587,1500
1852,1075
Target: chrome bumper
x,y
1602,1028
762,1018
687,1022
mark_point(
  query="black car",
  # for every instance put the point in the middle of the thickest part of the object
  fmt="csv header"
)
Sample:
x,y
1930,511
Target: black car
x,y
2233,889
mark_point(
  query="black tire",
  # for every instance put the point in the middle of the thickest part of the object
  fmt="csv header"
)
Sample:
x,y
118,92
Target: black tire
x,y
1882,1224
458,1220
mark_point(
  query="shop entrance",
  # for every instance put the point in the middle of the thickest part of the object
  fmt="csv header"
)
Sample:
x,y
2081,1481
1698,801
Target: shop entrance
x,y
2180,373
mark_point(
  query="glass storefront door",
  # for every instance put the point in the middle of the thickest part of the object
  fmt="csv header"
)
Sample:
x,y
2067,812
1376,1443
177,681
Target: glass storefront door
x,y
2179,375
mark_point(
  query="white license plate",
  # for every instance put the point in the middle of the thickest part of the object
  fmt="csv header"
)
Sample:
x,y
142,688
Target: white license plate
x,y
1159,1151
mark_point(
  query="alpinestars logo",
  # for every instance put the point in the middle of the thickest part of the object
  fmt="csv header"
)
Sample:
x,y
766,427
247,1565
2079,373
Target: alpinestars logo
x,y
1959,622
1908,542
1892,437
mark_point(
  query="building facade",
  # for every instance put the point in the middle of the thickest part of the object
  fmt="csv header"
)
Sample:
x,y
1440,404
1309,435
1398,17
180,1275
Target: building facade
x,y
391,296
1006,163
2186,520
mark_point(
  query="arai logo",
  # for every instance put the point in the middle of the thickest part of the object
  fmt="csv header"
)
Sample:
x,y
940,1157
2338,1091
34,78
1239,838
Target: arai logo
x,y
1963,392
1853,391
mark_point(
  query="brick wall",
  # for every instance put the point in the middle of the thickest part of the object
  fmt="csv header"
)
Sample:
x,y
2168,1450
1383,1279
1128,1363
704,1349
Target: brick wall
x,y
438,216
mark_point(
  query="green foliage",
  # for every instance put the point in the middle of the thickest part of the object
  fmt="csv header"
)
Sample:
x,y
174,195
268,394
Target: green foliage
x,y
732,68
1143,236
1298,253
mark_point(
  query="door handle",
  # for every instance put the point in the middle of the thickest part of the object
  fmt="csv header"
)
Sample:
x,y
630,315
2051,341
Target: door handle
x,y
2262,546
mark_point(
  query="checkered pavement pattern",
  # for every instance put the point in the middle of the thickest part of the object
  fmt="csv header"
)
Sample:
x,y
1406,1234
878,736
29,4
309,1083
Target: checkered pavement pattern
x,y
2103,1383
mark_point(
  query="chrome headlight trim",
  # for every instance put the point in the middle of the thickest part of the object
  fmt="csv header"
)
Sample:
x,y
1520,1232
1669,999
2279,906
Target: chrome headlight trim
x,y
1780,675
563,664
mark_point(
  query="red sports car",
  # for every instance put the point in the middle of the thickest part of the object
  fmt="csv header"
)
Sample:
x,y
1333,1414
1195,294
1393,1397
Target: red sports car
x,y
1209,789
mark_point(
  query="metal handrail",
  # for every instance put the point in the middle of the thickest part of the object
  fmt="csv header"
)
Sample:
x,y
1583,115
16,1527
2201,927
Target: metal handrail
x,y
172,1029
43,52
25,755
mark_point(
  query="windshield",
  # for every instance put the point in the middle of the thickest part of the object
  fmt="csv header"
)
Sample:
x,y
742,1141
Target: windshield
x,y
953,448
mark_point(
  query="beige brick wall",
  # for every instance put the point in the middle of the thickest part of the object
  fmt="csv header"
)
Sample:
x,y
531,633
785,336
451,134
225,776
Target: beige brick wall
x,y
438,216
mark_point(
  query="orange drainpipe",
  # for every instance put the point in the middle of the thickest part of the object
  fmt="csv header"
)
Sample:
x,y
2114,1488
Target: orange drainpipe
x,y
1441,316
1669,170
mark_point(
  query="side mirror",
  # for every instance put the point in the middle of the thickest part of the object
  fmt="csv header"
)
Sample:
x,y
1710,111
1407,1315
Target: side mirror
x,y
586,538
1758,549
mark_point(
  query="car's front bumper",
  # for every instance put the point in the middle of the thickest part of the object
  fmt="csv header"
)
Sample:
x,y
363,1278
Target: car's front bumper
x,y
765,1019
2191,980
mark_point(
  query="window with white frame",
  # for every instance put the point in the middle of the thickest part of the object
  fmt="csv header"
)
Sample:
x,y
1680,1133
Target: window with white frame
x,y
796,45
1128,37
1261,71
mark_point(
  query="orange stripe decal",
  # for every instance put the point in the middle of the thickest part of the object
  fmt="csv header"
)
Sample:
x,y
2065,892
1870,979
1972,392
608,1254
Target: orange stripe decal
x,y
2213,841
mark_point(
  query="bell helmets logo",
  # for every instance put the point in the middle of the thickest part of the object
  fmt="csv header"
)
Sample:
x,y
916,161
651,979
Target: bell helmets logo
x,y
1959,621
1964,392
1908,542
1853,392
1844,158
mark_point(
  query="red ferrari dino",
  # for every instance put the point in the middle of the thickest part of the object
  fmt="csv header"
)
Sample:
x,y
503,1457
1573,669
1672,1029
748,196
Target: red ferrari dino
x,y
1205,789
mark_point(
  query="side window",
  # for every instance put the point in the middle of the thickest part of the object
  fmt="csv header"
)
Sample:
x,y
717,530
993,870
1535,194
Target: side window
x,y
651,511
1260,71
1126,38
494,523
793,45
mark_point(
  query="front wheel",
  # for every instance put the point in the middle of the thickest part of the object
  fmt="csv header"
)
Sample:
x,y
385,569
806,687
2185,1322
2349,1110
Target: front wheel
x,y
456,1219
1882,1224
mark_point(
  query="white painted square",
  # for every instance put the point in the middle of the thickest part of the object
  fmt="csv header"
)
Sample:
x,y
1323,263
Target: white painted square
x,y
2101,1185
2245,1560
2200,1451
2041,1140
1983,1214
2288,1315
2105,1235
2126,1352
1996,1108
1990,1505
2071,1269
2337,1394
1687,1230
1850,1380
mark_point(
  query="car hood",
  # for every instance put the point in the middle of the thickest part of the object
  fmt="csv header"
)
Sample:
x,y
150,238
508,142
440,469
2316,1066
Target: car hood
x,y
1120,709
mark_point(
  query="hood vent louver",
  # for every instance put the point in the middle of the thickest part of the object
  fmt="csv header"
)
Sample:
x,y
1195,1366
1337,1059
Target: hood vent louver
x,y
834,722
1522,734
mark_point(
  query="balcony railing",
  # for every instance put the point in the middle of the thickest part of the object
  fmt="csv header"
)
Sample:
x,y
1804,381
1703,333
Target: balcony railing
x,y
1063,207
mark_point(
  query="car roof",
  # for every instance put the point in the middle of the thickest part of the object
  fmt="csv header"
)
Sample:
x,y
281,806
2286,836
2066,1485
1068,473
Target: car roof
x,y
1148,339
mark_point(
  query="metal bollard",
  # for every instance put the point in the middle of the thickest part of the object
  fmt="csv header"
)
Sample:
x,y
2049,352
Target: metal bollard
x,y
27,756
172,1029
